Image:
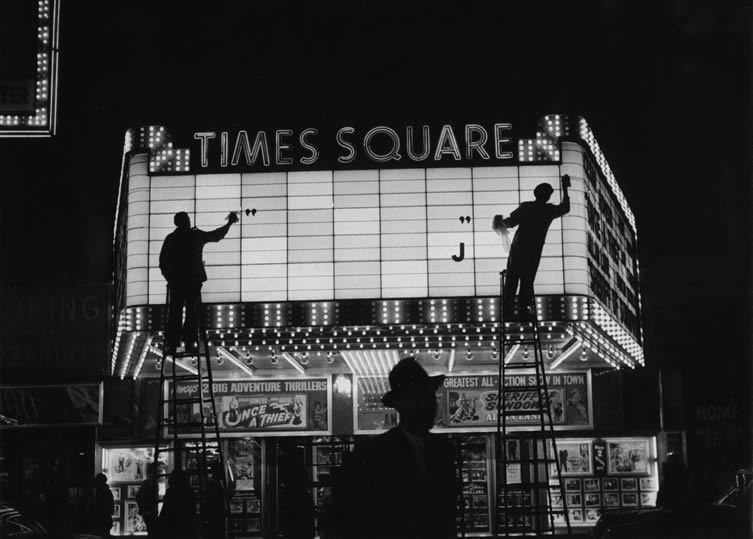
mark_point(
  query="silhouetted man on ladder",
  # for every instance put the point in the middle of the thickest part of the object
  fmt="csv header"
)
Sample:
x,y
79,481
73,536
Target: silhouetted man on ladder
x,y
180,262
533,220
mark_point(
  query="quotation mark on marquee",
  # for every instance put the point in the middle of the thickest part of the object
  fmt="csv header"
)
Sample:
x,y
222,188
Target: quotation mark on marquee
x,y
252,212
466,219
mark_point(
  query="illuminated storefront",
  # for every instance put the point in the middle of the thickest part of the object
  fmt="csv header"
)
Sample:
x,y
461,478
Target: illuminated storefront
x,y
357,247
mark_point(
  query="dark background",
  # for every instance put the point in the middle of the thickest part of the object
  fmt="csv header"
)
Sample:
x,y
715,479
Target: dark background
x,y
664,85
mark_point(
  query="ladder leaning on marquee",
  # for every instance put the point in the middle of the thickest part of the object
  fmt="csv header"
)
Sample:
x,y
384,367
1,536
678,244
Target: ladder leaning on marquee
x,y
528,473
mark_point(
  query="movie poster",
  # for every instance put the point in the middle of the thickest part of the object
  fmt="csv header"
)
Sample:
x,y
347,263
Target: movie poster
x,y
628,456
134,523
574,457
126,465
471,400
243,460
268,405
264,412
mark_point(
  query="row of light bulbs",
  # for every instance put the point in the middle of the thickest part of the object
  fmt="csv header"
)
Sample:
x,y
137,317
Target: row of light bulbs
x,y
303,358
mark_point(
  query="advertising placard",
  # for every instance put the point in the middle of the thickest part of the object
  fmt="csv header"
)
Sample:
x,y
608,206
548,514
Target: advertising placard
x,y
471,401
244,456
128,464
628,456
268,406
574,457
600,457
468,402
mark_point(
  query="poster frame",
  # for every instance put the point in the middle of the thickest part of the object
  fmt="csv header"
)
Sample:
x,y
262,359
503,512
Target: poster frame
x,y
646,446
488,428
276,432
581,441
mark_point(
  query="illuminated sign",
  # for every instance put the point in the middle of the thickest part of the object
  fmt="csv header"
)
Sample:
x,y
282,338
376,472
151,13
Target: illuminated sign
x,y
612,250
28,70
269,405
380,144
73,404
324,235
471,400
468,402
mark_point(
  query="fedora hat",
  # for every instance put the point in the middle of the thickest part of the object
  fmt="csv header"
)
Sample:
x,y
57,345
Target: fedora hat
x,y
406,374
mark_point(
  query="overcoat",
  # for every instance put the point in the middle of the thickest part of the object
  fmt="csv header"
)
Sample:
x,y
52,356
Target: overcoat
x,y
381,492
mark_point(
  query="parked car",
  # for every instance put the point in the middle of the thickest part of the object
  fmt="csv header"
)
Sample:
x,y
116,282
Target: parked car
x,y
723,519
15,525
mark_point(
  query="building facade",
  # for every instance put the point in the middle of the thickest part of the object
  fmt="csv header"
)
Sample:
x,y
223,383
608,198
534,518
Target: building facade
x,y
357,247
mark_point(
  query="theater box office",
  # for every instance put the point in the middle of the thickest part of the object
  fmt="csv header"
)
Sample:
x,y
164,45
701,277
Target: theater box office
x,y
357,247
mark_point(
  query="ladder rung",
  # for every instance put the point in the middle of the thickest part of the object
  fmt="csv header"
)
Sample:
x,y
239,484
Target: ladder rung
x,y
531,462
185,354
523,388
517,487
180,377
187,400
185,449
534,411
528,510
178,402
512,340
180,424
520,365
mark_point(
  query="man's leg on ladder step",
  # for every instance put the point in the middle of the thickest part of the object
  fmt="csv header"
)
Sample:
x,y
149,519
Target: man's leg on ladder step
x,y
525,299
191,325
511,287
174,319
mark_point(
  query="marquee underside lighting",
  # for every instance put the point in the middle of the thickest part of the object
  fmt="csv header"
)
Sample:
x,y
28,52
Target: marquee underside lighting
x,y
372,347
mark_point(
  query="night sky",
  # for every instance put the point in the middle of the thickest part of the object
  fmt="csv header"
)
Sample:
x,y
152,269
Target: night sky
x,y
665,89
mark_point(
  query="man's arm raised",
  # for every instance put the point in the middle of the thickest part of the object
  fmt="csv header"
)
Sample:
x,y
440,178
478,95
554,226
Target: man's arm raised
x,y
219,233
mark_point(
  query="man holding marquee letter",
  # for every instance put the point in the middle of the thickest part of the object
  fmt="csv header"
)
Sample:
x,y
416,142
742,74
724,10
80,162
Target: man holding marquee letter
x,y
533,220
180,262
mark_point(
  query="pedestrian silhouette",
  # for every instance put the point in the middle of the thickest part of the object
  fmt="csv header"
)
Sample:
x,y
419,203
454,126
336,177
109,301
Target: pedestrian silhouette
x,y
532,219
181,264
178,516
214,508
403,483
146,499
101,508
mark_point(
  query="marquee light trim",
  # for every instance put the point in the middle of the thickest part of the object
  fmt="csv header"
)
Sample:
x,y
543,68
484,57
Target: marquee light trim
x,y
43,122
224,352
568,350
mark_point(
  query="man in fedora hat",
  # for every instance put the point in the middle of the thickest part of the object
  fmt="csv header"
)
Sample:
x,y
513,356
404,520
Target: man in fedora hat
x,y
532,219
401,484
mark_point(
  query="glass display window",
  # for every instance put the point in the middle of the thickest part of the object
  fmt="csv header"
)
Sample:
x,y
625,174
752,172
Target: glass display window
x,y
126,470
245,471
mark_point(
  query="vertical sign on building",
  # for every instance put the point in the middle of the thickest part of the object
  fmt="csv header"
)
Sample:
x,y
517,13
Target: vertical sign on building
x,y
28,67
